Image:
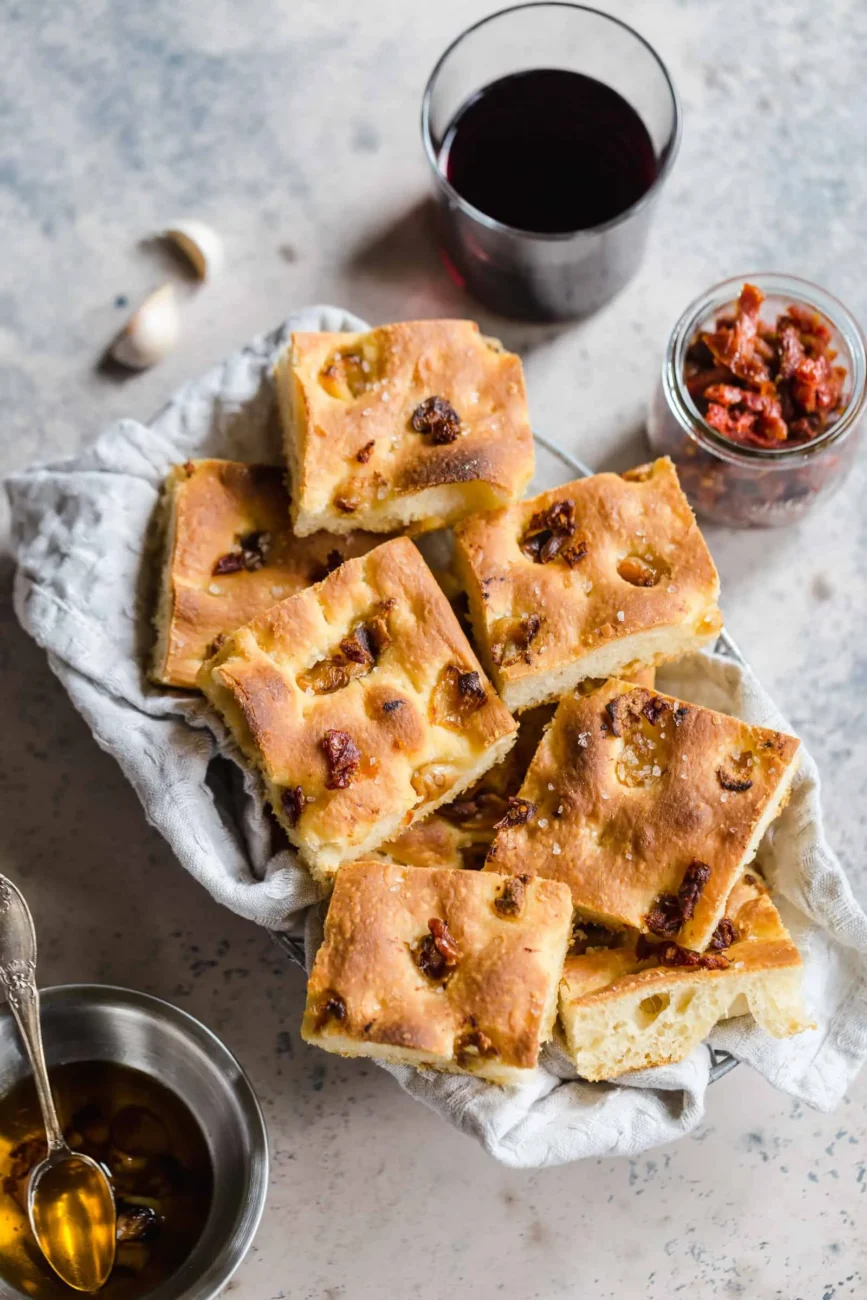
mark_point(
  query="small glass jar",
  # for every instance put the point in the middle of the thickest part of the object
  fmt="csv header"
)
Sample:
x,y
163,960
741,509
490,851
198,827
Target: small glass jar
x,y
758,487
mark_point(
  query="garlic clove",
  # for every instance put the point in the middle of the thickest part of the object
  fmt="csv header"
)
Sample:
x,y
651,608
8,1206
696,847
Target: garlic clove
x,y
200,244
150,332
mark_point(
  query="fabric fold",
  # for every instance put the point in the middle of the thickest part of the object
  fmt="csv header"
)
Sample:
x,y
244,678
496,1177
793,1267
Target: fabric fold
x,y
83,538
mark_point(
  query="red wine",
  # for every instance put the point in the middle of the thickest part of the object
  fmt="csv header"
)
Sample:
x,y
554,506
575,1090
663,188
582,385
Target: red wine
x,y
549,151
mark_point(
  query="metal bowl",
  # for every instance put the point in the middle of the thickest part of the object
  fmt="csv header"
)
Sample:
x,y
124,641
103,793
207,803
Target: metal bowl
x,y
95,1022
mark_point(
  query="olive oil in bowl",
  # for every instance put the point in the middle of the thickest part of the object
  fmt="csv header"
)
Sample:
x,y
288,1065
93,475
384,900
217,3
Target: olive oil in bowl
x,y
153,1148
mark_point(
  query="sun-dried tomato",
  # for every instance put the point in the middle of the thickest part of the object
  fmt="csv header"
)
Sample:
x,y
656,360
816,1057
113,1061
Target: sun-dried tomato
x,y
548,532
670,911
671,954
665,917
356,655
513,643
437,953
473,1045
457,694
250,554
765,385
737,784
575,552
791,348
359,647
617,709
518,813
510,900
724,935
692,886
437,418
343,758
292,803
470,687
333,1008
654,708
232,562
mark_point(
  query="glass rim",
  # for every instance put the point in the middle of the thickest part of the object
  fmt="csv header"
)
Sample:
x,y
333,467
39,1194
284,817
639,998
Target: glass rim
x,y
548,236
777,284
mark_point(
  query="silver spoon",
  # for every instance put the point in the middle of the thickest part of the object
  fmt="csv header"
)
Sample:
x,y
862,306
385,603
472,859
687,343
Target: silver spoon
x,y
70,1203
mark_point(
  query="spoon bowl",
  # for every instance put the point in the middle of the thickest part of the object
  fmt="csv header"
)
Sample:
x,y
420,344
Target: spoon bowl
x,y
72,1214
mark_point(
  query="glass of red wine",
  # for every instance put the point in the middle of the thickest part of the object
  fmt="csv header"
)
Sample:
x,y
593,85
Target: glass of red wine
x,y
550,129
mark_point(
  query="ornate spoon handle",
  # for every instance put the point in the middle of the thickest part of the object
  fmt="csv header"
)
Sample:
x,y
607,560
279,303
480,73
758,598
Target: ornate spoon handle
x,y
18,978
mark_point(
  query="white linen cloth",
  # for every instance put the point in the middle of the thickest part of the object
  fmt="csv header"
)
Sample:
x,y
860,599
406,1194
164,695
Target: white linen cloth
x,y
82,530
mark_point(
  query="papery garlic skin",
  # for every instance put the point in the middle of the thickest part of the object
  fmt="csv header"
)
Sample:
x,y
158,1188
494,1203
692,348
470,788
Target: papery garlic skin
x,y
200,244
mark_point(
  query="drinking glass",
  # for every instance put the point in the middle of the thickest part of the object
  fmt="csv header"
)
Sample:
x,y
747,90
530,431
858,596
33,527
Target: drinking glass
x,y
524,273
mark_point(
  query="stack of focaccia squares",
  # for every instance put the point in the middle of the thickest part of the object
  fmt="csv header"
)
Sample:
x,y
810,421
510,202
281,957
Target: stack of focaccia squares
x,y
519,834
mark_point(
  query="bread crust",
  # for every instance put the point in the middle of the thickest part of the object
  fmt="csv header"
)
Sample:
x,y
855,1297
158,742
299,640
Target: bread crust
x,y
487,1015
543,625
623,805
347,403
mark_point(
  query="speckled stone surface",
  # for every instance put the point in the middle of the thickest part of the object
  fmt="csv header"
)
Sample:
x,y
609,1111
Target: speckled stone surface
x,y
293,128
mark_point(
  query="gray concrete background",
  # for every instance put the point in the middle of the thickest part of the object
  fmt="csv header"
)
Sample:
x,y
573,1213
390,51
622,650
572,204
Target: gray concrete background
x,y
292,127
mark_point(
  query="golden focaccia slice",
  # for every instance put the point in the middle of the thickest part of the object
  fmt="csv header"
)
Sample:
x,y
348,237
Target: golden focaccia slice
x,y
587,580
229,553
361,703
636,1004
647,807
452,970
412,425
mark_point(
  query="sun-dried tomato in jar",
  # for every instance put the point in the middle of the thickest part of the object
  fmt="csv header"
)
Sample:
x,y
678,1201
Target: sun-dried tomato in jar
x,y
761,399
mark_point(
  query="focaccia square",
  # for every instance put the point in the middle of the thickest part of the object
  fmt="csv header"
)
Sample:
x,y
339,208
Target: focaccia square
x,y
587,580
648,808
453,970
408,425
361,703
635,1004
459,834
229,553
